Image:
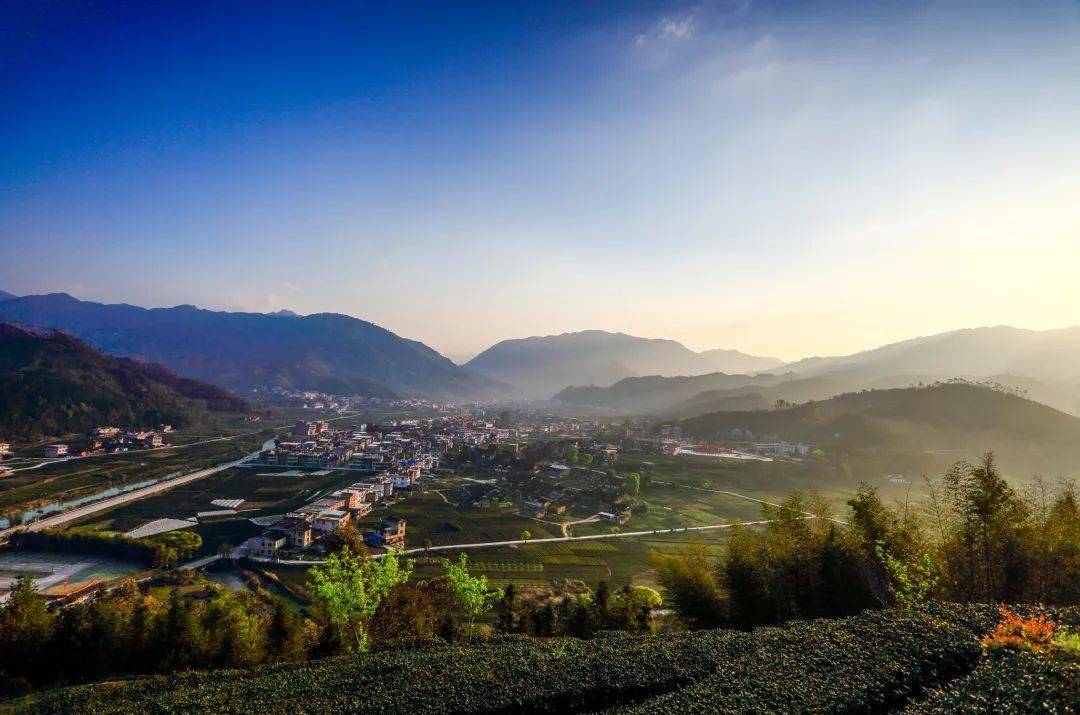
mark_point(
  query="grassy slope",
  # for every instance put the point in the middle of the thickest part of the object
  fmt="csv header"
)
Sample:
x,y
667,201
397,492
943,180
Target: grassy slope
x,y
876,661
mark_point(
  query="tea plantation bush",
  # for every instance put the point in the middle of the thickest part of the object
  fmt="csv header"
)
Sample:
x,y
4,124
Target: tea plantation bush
x,y
875,661
1010,682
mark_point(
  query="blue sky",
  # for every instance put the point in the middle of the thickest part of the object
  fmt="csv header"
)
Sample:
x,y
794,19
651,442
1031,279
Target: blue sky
x,y
781,177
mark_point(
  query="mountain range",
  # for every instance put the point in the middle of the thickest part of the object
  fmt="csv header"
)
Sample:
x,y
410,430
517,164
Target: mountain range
x,y
55,384
325,351
588,371
1043,365
538,367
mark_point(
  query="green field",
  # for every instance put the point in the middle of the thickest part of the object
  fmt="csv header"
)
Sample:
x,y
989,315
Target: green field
x,y
263,495
620,561
78,478
429,517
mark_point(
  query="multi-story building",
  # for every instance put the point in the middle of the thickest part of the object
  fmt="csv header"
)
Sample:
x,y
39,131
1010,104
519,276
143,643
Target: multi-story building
x,y
56,450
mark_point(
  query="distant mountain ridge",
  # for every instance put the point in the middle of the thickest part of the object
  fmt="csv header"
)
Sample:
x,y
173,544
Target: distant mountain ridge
x,y
1052,355
55,384
540,366
1045,365
325,351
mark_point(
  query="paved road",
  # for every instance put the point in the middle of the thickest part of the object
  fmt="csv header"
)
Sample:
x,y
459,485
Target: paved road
x,y
513,542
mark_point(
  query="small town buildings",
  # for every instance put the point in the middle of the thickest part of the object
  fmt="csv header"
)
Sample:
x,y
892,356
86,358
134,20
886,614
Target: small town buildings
x,y
6,471
558,470
56,450
297,531
390,533
402,481
328,520
266,545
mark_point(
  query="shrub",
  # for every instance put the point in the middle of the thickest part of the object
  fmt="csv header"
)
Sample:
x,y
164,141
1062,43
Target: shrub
x,y
1035,634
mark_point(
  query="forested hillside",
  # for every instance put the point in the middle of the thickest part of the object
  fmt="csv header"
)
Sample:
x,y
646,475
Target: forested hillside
x,y
55,384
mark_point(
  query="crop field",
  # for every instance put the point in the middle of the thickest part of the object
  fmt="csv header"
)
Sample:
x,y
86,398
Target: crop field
x,y
619,561
878,661
429,517
77,478
262,494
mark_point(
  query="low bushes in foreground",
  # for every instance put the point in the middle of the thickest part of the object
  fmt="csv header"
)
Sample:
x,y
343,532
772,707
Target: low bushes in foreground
x,y
874,661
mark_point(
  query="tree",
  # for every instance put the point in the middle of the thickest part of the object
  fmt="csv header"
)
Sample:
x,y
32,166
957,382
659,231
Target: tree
x,y
346,536
285,636
508,607
633,483
472,591
25,629
602,604
910,584
419,610
634,607
352,586
526,534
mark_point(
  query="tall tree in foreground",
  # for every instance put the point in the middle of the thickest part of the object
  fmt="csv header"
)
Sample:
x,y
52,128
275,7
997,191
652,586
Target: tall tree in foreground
x,y
472,591
352,586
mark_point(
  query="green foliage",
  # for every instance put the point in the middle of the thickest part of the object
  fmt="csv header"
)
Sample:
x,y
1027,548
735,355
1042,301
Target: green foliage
x,y
126,631
910,584
351,587
975,540
873,662
472,591
691,583
633,483
1009,682
345,537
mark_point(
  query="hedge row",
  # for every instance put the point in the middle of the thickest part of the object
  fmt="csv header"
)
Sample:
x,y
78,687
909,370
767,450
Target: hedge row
x,y
1010,682
875,661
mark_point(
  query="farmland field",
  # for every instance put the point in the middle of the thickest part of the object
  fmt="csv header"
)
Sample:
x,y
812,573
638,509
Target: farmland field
x,y
77,478
262,495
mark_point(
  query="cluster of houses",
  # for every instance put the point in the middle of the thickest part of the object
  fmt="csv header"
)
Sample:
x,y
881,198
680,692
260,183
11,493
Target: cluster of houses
x,y
308,526
376,448
107,440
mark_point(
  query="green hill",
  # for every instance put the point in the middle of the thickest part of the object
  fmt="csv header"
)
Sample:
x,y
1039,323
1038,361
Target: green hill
x,y
54,385
879,661
943,416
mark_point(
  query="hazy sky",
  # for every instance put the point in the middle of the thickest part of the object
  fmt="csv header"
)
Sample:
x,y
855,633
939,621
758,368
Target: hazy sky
x,y
786,178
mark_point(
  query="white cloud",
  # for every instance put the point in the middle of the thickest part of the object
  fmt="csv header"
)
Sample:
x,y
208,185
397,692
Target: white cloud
x,y
667,30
